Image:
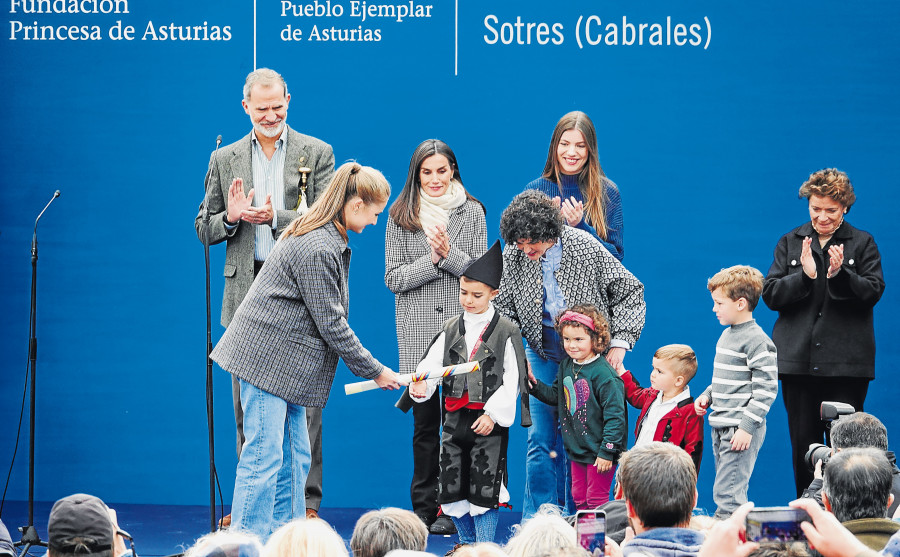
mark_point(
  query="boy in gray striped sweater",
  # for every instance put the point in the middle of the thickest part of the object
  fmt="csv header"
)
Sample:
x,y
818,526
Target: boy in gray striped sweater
x,y
744,385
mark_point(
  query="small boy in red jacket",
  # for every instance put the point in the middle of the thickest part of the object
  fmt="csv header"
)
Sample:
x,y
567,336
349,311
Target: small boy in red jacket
x,y
667,408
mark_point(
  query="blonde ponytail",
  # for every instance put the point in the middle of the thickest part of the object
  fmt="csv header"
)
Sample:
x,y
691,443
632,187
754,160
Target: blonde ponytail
x,y
349,181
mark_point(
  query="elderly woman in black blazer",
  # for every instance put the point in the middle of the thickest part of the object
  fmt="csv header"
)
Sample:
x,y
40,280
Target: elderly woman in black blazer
x,y
546,267
284,343
824,284
436,228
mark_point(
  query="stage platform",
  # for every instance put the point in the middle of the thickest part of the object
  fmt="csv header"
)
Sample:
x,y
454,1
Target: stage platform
x,y
160,530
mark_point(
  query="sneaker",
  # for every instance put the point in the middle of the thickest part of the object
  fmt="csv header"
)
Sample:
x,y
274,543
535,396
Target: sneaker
x,y
443,526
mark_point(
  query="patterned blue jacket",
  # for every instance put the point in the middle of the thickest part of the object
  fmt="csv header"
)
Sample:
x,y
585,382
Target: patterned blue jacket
x,y
587,274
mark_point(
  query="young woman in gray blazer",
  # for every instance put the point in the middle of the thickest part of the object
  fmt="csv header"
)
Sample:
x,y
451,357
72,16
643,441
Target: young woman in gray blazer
x,y
284,342
436,228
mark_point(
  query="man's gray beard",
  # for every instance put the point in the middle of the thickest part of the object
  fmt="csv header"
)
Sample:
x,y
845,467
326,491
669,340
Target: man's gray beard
x,y
262,130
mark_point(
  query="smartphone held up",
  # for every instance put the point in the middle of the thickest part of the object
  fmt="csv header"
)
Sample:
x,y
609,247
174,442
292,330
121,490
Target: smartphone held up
x,y
590,529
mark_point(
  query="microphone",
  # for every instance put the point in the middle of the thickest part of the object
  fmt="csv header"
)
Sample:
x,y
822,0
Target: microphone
x,y
55,195
212,163
206,192
34,236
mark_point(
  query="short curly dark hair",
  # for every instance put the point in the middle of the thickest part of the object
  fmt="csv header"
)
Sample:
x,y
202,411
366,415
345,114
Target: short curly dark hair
x,y
532,216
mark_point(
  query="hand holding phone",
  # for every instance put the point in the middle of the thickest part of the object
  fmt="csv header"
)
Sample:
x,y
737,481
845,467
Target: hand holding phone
x,y
776,525
590,529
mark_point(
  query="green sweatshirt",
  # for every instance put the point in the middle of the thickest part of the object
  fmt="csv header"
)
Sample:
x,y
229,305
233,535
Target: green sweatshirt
x,y
591,409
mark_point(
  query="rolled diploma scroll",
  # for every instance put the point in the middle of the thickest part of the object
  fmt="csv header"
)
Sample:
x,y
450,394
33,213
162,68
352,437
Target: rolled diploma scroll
x,y
406,378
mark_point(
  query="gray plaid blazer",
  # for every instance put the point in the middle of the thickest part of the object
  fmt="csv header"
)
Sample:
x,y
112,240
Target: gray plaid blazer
x,y
587,274
288,333
428,294
234,161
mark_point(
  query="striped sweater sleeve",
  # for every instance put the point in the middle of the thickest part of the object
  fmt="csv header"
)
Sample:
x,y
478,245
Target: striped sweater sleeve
x,y
745,378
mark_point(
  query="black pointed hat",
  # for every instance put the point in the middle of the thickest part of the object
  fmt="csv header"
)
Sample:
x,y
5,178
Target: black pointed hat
x,y
488,268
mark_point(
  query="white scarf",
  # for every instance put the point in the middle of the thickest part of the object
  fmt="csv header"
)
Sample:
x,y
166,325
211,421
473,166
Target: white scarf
x,y
436,210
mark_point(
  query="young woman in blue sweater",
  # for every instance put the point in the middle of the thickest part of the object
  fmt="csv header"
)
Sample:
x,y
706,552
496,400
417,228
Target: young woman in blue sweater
x,y
574,179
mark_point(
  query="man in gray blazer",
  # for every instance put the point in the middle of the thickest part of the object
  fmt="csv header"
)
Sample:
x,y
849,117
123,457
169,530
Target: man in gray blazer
x,y
257,186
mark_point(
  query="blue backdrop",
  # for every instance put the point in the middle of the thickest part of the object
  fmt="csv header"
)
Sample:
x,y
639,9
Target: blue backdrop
x,y
709,143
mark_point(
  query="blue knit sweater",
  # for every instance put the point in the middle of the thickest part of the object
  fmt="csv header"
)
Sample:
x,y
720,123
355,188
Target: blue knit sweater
x,y
615,225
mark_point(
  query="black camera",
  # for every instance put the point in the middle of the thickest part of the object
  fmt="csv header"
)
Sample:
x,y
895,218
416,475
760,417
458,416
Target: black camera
x,y
829,412
817,452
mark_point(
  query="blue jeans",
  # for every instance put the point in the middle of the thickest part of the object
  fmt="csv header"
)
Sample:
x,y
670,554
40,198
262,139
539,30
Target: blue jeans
x,y
271,473
733,469
547,479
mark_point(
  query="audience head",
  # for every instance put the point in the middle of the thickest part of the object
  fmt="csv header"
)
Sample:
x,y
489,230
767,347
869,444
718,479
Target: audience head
x,y
858,430
857,484
576,551
480,550
226,543
305,538
7,549
542,534
80,525
796,549
703,523
378,532
660,485
739,281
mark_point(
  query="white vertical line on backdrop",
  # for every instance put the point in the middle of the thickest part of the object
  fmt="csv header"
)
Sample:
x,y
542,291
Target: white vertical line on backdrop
x,y
254,35
456,40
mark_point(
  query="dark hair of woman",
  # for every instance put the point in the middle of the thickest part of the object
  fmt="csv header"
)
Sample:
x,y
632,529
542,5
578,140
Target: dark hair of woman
x,y
532,216
405,210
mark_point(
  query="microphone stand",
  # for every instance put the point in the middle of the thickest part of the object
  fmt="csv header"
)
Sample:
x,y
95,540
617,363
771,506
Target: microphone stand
x,y
209,346
30,537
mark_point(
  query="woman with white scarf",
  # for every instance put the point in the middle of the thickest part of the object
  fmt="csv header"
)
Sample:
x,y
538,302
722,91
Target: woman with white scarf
x,y
436,228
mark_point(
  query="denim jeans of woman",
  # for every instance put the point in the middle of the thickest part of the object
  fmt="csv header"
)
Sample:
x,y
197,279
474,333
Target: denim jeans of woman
x,y
547,477
269,487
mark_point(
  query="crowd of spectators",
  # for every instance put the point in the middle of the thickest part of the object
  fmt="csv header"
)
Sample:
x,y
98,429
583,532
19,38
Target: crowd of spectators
x,y
849,511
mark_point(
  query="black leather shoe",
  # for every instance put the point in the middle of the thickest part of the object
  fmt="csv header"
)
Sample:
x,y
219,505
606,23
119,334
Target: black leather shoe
x,y
443,526
427,520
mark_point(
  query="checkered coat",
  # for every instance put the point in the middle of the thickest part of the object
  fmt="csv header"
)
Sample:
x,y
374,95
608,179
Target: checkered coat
x,y
288,333
428,294
587,274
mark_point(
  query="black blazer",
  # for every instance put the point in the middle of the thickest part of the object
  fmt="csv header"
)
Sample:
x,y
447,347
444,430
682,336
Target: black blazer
x,y
825,326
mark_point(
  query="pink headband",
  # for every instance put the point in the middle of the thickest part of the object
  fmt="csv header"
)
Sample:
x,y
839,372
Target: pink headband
x,y
578,318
